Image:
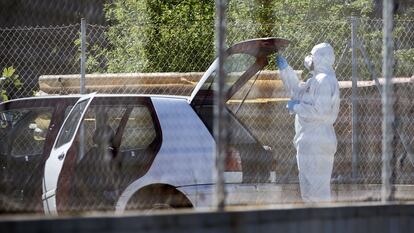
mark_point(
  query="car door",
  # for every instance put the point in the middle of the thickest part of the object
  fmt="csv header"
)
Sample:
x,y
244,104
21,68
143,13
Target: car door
x,y
62,144
122,137
25,131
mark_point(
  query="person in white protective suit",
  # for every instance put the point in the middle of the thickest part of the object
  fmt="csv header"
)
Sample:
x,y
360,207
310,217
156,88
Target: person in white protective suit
x,y
315,104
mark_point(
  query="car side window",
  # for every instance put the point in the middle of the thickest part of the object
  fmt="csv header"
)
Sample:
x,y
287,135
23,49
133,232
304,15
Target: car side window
x,y
70,124
99,116
26,130
139,131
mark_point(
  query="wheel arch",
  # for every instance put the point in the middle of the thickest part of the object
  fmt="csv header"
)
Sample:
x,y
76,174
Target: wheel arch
x,y
159,193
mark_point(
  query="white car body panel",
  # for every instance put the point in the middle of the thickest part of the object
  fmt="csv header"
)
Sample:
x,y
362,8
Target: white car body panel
x,y
202,196
185,158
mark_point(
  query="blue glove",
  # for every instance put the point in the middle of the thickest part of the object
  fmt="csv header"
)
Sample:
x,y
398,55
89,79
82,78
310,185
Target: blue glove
x,y
291,104
281,62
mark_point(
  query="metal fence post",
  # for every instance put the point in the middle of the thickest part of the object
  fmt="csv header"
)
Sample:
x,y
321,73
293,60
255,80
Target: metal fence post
x,y
83,56
82,84
220,116
354,99
387,100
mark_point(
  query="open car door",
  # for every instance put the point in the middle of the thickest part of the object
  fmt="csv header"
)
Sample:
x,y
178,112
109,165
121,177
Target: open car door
x,y
62,144
243,62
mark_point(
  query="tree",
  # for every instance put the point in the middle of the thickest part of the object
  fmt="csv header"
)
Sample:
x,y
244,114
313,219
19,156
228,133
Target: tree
x,y
178,35
160,36
304,23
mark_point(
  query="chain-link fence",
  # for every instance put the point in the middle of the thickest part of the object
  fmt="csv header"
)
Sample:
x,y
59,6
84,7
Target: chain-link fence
x,y
261,166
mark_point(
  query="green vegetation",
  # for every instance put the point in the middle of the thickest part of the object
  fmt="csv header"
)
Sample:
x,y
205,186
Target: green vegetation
x,y
10,82
178,35
159,36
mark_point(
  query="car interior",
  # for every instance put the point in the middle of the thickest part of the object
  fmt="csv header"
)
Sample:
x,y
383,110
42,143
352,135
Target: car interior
x,y
121,143
23,135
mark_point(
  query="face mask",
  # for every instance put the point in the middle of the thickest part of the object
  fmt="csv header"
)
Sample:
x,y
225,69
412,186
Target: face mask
x,y
308,62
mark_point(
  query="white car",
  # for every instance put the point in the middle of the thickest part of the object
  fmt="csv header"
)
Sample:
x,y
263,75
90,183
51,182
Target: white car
x,y
121,152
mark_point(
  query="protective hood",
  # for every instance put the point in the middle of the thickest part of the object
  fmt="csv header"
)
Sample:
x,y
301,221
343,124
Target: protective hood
x,y
308,62
323,58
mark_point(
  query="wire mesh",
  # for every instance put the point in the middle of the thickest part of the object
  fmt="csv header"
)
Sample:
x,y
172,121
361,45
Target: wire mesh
x,y
46,60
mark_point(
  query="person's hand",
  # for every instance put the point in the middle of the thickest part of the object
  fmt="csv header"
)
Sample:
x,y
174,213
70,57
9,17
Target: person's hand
x,y
281,62
291,104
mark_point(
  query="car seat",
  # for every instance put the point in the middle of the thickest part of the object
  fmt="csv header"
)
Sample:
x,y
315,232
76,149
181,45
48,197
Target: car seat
x,y
96,173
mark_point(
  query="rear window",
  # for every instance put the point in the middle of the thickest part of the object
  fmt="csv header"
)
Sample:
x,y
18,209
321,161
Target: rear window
x,y
235,65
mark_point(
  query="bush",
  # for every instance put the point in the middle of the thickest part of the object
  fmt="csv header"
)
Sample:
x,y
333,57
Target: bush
x,y
9,83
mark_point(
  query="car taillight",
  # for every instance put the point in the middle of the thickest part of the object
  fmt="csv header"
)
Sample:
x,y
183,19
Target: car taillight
x,y
233,160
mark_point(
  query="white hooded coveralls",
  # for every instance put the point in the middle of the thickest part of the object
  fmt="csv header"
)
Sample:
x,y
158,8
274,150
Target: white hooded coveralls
x,y
315,138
